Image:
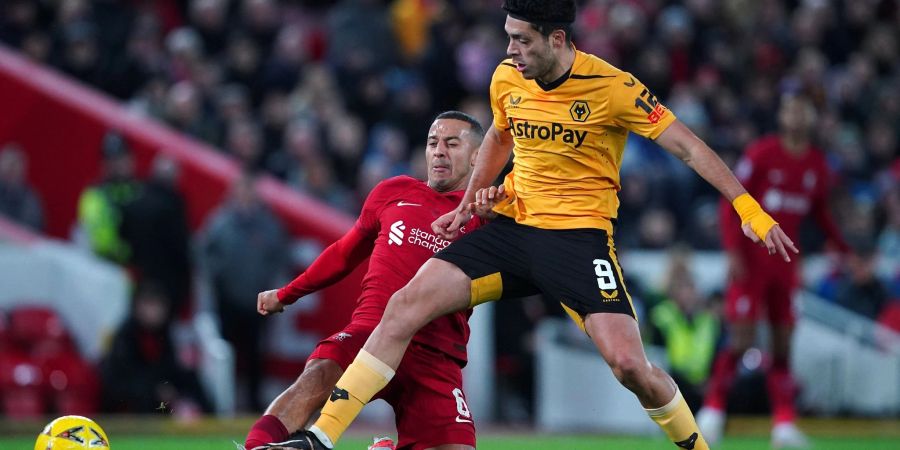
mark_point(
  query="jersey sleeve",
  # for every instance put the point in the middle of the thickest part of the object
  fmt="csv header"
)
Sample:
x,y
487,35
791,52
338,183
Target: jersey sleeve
x,y
336,262
341,257
498,94
635,108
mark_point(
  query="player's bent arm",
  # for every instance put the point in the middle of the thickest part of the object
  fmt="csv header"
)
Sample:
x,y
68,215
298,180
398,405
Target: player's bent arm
x,y
336,262
680,141
492,156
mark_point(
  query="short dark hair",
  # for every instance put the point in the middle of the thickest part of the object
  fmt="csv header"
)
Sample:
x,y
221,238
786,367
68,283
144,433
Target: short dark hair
x,y
553,11
545,28
474,125
545,16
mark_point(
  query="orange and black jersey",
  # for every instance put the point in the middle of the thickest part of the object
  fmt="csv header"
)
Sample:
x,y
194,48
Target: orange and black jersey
x,y
569,139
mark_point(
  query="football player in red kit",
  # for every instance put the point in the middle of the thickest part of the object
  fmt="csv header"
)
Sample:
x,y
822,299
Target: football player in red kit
x,y
791,179
394,231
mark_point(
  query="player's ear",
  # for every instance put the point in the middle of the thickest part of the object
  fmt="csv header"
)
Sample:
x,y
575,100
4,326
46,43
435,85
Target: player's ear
x,y
558,38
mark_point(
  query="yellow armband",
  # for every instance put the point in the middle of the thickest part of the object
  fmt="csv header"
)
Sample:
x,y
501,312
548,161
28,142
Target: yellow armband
x,y
750,211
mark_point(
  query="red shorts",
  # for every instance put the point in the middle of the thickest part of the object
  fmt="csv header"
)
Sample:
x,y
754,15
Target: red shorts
x,y
426,393
762,292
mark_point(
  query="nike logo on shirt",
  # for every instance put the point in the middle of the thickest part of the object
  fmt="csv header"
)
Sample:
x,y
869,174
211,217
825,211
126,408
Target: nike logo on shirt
x,y
402,203
461,420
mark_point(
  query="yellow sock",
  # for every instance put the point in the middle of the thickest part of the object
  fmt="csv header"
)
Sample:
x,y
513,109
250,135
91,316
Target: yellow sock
x,y
363,379
678,423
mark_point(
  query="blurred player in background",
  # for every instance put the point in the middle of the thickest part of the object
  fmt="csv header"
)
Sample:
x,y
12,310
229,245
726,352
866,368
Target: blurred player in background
x,y
566,115
791,177
394,231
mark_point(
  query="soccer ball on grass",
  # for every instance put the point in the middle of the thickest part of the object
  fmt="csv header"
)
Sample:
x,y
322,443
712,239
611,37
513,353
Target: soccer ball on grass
x,y
72,433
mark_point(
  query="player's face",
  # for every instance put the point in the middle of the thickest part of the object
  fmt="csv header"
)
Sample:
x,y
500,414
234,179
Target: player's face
x,y
529,49
797,115
450,154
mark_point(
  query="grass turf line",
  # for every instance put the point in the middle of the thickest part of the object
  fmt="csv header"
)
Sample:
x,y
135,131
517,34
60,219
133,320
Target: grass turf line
x,y
486,443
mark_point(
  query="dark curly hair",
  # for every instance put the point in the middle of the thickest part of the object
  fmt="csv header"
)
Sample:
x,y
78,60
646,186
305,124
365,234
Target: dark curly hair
x,y
558,11
545,16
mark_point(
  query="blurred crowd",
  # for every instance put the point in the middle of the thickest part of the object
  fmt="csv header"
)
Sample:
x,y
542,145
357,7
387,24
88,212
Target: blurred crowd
x,y
333,96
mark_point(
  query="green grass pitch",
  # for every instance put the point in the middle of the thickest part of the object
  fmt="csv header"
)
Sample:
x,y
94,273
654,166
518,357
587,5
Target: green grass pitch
x,y
743,433
524,442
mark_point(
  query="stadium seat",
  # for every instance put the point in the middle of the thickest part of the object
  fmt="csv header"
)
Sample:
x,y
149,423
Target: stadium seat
x,y
21,386
38,330
44,373
28,324
72,385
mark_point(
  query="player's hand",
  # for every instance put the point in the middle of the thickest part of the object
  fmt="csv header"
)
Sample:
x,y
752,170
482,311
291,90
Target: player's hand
x,y
448,225
267,303
776,241
485,200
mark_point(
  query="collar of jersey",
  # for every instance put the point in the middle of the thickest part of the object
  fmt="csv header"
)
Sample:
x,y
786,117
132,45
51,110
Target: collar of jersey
x,y
555,83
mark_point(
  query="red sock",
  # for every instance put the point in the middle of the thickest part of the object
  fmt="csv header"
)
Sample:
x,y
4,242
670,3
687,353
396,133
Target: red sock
x,y
720,380
781,391
266,430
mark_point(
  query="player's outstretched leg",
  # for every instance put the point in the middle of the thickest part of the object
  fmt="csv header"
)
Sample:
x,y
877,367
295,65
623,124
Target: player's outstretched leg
x,y
619,341
437,289
265,430
291,410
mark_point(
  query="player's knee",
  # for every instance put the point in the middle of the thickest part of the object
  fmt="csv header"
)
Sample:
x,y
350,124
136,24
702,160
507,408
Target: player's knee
x,y
629,370
402,317
317,378
741,336
740,344
402,300
316,369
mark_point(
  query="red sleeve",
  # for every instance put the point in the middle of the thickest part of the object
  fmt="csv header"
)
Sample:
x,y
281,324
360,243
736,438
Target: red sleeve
x,y
822,213
336,262
341,257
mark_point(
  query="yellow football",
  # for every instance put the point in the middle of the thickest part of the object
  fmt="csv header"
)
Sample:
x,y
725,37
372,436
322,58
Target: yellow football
x,y
72,433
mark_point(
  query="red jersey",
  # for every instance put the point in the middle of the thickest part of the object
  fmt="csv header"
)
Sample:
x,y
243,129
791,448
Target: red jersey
x,y
394,228
788,186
